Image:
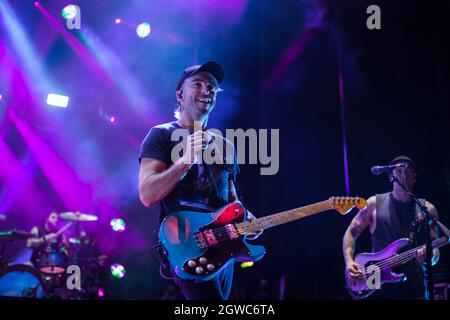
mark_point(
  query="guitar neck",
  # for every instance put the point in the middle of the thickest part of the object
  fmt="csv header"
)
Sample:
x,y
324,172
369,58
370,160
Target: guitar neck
x,y
282,217
407,256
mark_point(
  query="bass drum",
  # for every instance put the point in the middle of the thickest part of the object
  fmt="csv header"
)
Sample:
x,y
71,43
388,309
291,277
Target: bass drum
x,y
21,281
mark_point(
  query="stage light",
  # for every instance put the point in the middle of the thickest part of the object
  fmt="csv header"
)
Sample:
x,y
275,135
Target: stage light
x,y
74,240
118,271
36,4
69,12
1,97
57,100
118,225
118,21
100,293
112,119
143,30
247,264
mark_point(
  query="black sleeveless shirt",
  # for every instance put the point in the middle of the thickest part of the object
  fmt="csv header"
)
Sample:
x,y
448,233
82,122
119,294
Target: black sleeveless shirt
x,y
395,220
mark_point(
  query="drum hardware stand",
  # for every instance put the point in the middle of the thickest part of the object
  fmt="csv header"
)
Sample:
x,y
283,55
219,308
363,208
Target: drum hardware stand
x,y
3,262
2,254
30,293
77,258
427,222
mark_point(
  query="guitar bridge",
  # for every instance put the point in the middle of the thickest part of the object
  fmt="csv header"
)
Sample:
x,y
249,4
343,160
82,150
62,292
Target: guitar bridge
x,y
201,240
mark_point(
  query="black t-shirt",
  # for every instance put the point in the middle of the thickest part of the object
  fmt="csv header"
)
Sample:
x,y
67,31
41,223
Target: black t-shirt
x,y
204,187
38,251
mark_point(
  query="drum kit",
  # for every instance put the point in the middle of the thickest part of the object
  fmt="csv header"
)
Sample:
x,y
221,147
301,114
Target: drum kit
x,y
47,278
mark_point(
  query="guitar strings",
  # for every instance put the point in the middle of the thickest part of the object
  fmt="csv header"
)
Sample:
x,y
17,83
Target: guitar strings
x,y
406,255
396,260
225,236
263,223
402,257
221,233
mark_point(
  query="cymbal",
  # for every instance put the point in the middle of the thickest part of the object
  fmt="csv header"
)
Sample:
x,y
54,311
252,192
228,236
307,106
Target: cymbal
x,y
15,235
78,216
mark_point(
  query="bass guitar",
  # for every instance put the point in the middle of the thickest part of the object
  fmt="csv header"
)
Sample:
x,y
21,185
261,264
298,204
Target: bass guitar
x,y
382,263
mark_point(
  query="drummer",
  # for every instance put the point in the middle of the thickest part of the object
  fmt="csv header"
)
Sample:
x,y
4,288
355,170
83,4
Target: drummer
x,y
46,238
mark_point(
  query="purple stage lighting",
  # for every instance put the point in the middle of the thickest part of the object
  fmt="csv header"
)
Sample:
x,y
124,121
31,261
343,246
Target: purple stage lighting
x,y
57,100
70,11
143,30
118,271
118,225
100,293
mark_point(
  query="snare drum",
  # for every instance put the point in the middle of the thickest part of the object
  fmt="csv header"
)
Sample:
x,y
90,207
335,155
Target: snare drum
x,y
52,262
21,281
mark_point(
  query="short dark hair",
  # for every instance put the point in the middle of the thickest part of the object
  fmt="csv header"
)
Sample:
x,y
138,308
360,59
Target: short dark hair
x,y
404,159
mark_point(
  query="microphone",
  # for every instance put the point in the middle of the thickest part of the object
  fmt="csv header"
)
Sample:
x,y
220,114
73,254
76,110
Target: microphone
x,y
376,170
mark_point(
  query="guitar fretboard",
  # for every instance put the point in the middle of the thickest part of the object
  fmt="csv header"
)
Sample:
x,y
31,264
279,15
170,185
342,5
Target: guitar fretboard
x,y
406,256
282,217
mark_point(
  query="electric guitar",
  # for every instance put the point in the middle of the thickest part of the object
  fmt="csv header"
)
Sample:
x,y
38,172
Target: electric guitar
x,y
199,245
382,263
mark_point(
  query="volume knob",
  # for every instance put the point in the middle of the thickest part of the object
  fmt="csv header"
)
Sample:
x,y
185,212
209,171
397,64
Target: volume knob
x,y
199,270
191,263
210,267
203,260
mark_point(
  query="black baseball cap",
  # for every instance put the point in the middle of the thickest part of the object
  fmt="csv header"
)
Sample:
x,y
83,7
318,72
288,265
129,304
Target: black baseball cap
x,y
211,66
404,159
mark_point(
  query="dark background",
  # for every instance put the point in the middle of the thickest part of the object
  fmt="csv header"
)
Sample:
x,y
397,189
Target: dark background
x,y
282,71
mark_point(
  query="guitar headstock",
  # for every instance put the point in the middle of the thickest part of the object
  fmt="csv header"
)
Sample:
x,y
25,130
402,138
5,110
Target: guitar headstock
x,y
344,204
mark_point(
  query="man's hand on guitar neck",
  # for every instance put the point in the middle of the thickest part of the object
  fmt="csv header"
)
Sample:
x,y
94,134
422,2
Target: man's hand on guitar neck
x,y
421,256
255,235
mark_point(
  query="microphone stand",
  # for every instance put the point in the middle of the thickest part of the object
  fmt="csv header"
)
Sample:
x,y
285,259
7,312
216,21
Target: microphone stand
x,y
427,222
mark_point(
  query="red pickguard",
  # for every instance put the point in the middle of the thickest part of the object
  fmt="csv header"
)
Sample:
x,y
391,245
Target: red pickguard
x,y
228,214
